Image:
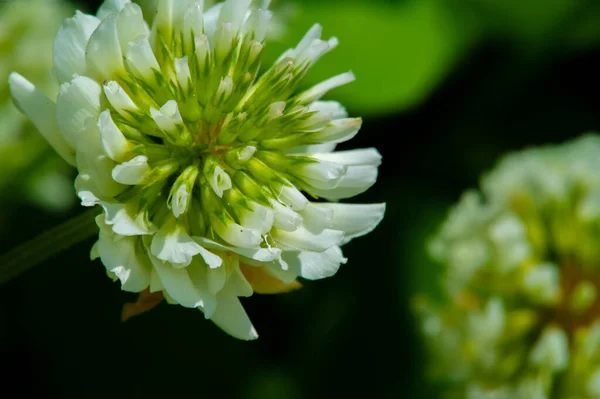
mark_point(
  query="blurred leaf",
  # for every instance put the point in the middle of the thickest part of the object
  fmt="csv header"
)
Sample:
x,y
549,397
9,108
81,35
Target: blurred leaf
x,y
399,52
586,33
533,21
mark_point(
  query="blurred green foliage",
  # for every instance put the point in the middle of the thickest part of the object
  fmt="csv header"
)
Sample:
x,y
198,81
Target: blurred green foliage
x,y
29,169
525,21
399,52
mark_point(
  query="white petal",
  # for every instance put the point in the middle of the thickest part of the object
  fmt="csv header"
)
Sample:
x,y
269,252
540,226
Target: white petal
x,y
125,220
334,109
363,156
132,172
354,220
260,218
258,254
317,218
164,15
70,44
314,149
213,261
319,90
358,179
130,24
121,256
285,218
180,196
233,11
314,265
203,52
593,384
199,275
182,70
291,196
111,7
551,350
180,200
42,112
103,52
168,20
231,317
172,244
324,174
94,164
302,239
115,144
277,270
276,109
220,181
314,33
237,283
235,234
541,283
315,50
211,17
178,284
193,23
223,42
167,117
215,279
119,99
77,101
339,130
258,21
87,197
141,58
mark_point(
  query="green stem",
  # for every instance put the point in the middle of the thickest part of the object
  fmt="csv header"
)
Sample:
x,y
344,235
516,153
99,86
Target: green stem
x,y
62,237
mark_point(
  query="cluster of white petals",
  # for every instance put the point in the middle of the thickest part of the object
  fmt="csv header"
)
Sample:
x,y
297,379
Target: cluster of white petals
x,y
204,166
522,272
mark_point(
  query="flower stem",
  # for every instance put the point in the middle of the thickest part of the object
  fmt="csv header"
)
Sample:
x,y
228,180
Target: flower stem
x,y
41,248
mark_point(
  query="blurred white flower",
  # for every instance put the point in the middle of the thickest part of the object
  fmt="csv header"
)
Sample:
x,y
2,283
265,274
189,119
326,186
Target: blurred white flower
x,y
522,271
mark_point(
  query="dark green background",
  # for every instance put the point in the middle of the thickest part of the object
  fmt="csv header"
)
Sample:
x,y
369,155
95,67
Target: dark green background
x,y
513,75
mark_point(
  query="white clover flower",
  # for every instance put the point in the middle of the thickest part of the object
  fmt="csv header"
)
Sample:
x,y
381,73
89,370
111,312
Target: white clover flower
x,y
199,161
26,31
522,276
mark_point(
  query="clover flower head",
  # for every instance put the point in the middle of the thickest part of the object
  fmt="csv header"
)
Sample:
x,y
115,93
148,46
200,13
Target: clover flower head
x,y
202,162
522,277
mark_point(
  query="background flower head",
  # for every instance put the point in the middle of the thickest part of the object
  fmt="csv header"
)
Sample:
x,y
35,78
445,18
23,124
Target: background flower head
x,y
521,282
199,160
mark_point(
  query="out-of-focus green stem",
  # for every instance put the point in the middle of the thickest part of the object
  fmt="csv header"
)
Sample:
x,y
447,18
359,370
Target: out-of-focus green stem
x,y
41,248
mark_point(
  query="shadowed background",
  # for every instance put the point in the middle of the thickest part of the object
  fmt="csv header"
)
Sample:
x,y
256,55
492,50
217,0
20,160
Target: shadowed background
x,y
445,87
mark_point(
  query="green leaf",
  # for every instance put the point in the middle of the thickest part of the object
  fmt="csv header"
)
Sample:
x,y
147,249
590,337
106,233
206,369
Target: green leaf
x,y
398,52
